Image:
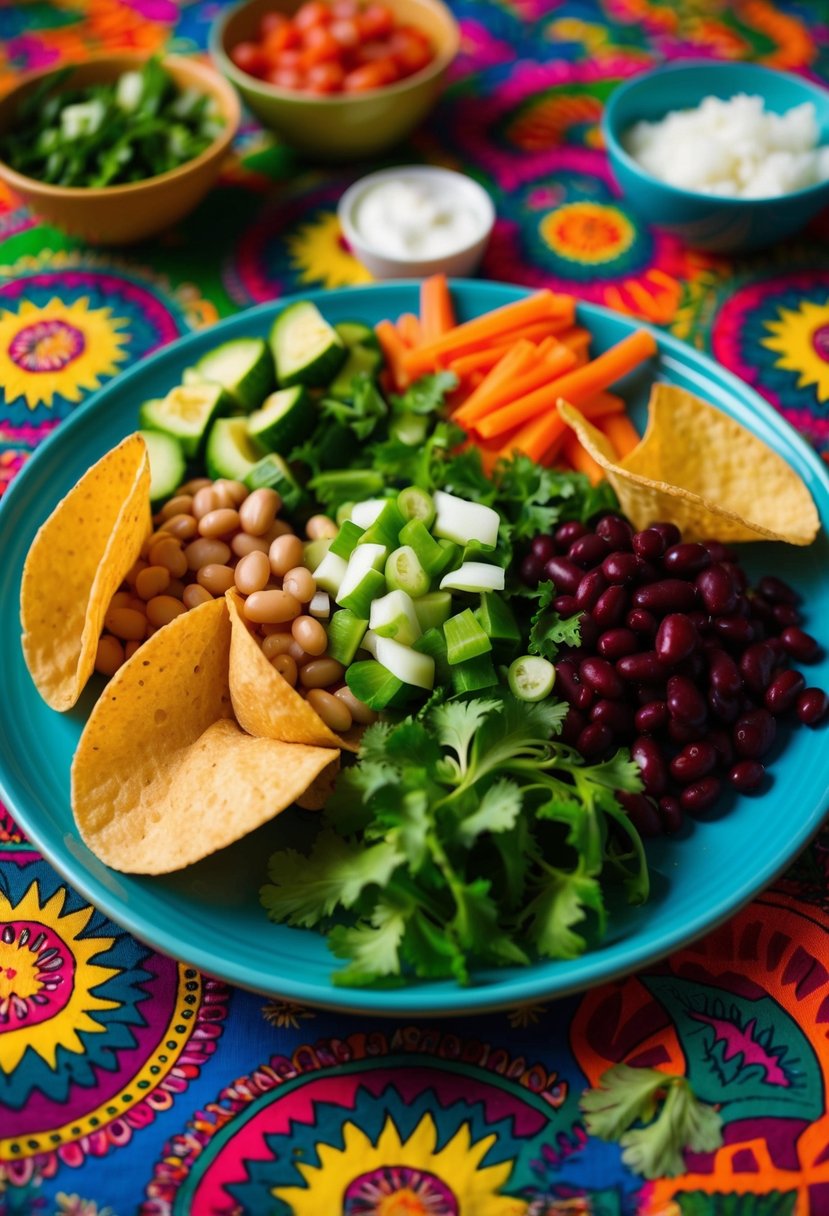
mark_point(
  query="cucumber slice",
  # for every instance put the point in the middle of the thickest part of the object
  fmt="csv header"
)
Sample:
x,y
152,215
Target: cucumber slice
x,y
465,639
531,678
244,367
462,521
347,539
345,635
357,333
167,463
330,573
192,375
273,473
187,413
402,661
230,451
393,616
284,419
473,576
306,349
433,609
372,684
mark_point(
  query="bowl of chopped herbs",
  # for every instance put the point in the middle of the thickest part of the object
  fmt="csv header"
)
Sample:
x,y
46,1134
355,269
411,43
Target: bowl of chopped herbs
x,y
119,147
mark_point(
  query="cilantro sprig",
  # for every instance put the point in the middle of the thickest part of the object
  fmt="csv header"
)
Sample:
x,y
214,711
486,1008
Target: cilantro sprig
x,y
468,836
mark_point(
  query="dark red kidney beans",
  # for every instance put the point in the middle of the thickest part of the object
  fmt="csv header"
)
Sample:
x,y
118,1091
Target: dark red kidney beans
x,y
666,595
726,708
756,665
754,734
812,705
565,605
688,557
602,677
747,776
676,638
776,591
645,693
567,532
670,814
589,589
648,755
615,643
648,544
642,622
595,741
588,551
718,552
543,547
564,575
615,715
589,632
681,733
530,570
694,667
641,812
738,575
646,572
574,723
642,668
615,530
782,693
620,567
685,701
720,740
700,620
670,533
568,684
777,648
610,607
724,673
651,718
716,590
700,796
785,615
762,610
695,761
801,646
734,629
743,606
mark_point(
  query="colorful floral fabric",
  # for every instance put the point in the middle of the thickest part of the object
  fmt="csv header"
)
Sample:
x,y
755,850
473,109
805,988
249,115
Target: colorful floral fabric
x,y
131,1083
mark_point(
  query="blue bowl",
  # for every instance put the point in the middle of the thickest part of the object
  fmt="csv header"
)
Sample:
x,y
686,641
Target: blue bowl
x,y
721,225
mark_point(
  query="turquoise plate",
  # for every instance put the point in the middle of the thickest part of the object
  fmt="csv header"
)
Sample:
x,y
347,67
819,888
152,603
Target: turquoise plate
x,y
209,914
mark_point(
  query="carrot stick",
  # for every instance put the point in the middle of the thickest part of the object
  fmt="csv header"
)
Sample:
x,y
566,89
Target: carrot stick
x,y
581,460
516,400
577,339
511,363
577,386
408,326
602,406
621,432
488,356
393,350
437,316
536,437
490,327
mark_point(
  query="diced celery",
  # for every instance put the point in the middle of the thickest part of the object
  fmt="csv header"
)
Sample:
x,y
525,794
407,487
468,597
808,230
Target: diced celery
x,y
473,576
433,643
465,639
367,589
393,616
345,634
462,521
405,573
320,605
497,621
402,661
313,551
474,674
345,542
431,555
372,684
364,513
363,559
386,527
330,573
433,609
415,503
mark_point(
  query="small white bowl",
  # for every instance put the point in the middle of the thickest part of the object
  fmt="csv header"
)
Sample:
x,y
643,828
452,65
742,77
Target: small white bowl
x,y
460,262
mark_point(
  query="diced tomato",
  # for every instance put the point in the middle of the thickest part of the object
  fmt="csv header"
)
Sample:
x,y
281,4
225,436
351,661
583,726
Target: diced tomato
x,y
326,78
346,31
282,38
313,12
287,78
271,22
318,46
345,9
376,21
410,49
249,57
371,76
370,52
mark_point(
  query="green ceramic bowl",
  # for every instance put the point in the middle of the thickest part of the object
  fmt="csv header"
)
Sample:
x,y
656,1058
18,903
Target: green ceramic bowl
x,y
343,126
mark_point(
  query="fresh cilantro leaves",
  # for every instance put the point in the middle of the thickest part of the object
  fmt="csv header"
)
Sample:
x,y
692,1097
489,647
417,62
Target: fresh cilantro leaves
x,y
548,630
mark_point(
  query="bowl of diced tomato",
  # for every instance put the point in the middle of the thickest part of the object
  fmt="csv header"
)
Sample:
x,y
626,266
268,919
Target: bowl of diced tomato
x,y
337,79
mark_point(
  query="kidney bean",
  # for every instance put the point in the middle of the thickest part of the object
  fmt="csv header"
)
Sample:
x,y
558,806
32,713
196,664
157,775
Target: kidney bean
x,y
574,723
724,707
615,643
610,607
642,622
776,591
565,605
720,740
776,647
687,557
754,734
620,567
595,741
782,693
648,755
666,595
615,530
801,646
716,590
676,639
651,718
670,814
785,615
567,532
530,570
685,701
700,796
642,668
575,693
589,632
601,676
641,812
756,665
682,733
695,761
718,552
694,667
564,574
734,629
747,776
812,705
724,673
762,610
589,589
543,548
645,693
648,544
700,620
587,551
615,715
646,572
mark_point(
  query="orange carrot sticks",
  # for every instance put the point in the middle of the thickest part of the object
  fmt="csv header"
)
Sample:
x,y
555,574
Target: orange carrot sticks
x,y
512,363
581,460
393,350
437,316
513,402
409,328
621,432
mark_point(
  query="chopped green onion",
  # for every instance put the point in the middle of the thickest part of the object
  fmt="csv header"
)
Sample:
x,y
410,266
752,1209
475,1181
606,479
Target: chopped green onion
x,y
372,684
345,635
370,586
402,661
330,573
385,529
473,576
462,521
405,573
430,553
465,639
474,674
433,643
393,616
433,609
345,542
415,503
409,428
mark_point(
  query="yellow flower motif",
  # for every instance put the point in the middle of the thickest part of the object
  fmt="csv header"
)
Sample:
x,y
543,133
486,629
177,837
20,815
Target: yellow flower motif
x,y
58,348
801,337
393,1177
285,1014
320,255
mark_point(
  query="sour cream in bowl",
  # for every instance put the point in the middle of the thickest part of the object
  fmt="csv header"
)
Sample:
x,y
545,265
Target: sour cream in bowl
x,y
417,220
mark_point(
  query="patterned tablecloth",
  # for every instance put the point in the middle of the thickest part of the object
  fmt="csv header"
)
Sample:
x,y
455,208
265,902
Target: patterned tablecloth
x,y
130,1083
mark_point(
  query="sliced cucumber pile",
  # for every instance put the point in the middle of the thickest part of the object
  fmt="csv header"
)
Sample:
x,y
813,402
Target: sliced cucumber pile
x,y
306,349
243,367
186,413
230,451
167,464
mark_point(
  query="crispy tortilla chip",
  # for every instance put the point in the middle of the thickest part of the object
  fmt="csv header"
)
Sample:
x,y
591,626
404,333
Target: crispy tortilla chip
x,y
162,775
704,472
76,563
265,704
